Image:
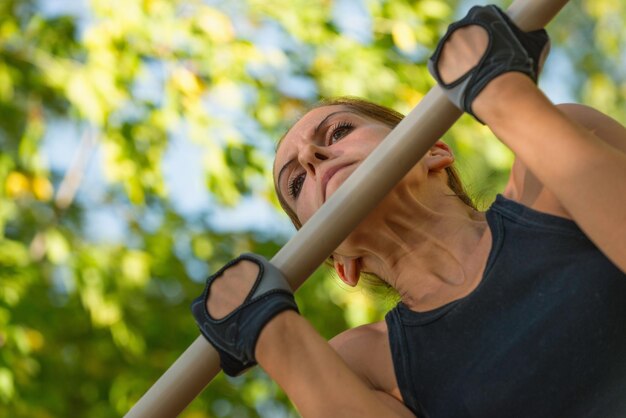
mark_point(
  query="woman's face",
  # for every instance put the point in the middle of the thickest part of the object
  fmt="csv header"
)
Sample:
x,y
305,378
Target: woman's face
x,y
319,153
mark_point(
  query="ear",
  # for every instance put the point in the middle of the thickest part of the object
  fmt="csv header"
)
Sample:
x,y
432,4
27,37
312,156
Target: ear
x,y
439,157
348,269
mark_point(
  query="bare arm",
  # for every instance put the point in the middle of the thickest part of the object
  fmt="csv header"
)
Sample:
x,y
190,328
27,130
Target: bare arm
x,y
584,169
315,377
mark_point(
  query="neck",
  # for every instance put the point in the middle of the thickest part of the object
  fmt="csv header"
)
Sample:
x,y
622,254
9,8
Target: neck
x,y
432,251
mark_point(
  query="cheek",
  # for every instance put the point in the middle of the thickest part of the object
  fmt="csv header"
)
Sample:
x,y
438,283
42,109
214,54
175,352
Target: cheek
x,y
306,206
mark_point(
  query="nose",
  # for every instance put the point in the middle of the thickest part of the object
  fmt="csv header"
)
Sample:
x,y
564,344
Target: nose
x,y
310,156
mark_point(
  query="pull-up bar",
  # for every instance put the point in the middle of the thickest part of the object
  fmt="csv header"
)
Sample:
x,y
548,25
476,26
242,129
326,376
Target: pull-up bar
x,y
334,221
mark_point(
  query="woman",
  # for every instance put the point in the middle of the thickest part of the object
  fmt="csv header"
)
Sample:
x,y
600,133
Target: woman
x,y
514,312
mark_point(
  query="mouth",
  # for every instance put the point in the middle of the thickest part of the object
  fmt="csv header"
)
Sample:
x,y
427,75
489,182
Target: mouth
x,y
328,175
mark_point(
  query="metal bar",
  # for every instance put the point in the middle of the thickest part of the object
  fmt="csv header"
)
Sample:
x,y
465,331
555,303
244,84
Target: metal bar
x,y
334,221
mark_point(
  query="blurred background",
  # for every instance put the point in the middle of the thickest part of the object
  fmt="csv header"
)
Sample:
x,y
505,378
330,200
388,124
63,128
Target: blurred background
x,y
136,143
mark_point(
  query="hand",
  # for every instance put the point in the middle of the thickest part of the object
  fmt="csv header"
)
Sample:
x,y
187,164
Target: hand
x,y
480,47
230,289
237,302
462,51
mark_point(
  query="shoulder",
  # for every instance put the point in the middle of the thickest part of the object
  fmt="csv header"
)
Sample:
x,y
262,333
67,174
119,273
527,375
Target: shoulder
x,y
601,125
367,352
354,338
357,345
526,189
585,115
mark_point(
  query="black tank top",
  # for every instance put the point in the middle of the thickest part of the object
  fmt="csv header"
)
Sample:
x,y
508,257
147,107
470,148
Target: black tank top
x,y
543,334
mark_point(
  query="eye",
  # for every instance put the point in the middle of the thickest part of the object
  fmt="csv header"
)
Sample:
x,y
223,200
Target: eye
x,y
339,130
295,185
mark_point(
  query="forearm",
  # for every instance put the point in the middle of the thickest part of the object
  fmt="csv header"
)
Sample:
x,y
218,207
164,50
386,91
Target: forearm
x,y
587,175
313,375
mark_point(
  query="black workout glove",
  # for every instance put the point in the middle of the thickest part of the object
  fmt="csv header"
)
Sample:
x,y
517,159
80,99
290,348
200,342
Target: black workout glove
x,y
508,49
235,336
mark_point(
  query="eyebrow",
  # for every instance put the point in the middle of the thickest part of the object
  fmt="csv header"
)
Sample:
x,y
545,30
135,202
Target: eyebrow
x,y
330,115
282,170
315,132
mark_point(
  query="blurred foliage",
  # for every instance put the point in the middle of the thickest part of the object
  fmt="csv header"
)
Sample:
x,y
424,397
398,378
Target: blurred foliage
x,y
87,325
